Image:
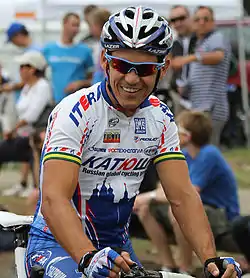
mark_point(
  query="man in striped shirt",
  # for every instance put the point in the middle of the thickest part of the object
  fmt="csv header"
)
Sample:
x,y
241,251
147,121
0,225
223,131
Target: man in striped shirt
x,y
209,67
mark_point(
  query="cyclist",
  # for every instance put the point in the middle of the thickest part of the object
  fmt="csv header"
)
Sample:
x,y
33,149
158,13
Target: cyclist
x,y
98,145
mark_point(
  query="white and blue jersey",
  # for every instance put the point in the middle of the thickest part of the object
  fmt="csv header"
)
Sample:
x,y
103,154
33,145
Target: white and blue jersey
x,y
68,64
113,152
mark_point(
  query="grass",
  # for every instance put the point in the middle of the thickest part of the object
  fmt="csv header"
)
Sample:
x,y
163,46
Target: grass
x,y
239,159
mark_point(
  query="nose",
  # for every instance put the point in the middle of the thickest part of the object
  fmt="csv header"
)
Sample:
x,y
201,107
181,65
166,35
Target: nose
x,y
132,77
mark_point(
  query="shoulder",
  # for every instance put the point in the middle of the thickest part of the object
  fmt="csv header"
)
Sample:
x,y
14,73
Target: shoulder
x,y
160,109
43,83
216,36
81,104
49,45
82,46
210,152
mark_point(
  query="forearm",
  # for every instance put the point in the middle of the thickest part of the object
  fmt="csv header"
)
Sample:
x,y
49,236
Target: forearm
x,y
66,226
178,62
193,222
210,58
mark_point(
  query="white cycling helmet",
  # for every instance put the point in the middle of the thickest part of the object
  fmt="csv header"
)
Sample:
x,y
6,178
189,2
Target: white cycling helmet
x,y
138,28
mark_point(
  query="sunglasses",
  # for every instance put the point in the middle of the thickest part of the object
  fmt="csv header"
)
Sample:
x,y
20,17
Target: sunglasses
x,y
125,66
24,66
178,18
205,19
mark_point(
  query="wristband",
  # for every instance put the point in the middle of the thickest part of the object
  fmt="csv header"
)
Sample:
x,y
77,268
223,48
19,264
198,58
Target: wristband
x,y
85,260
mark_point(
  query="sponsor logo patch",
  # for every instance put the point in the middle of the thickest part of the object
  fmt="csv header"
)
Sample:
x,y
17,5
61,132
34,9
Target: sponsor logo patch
x,y
145,139
113,122
112,136
140,125
150,151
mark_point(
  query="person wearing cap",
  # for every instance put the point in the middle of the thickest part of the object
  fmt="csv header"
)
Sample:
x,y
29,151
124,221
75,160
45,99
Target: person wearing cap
x,y
35,96
18,35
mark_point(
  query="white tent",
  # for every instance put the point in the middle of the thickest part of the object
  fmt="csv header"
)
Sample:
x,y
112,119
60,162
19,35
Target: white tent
x,y
53,9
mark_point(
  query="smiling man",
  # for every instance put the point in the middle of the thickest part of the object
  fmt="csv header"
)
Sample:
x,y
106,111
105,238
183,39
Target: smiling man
x,y
98,146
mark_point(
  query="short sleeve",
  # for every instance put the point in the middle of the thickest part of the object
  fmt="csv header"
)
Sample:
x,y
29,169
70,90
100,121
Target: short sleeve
x,y
65,136
217,42
169,148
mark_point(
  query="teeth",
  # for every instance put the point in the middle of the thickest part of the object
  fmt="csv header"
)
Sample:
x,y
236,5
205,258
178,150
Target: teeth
x,y
130,90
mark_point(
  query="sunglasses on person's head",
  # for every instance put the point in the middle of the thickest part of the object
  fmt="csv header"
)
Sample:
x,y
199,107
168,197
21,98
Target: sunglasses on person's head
x,y
124,66
205,18
178,18
24,66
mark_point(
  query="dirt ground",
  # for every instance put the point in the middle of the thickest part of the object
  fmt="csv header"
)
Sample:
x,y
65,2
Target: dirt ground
x,y
20,206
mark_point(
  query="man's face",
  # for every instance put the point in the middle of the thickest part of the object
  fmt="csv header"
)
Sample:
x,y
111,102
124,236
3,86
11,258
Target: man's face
x,y
184,136
130,89
18,40
203,22
72,26
180,21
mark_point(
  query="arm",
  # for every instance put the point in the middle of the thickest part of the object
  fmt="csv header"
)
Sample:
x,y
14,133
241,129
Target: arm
x,y
183,198
62,159
187,207
206,58
8,87
60,180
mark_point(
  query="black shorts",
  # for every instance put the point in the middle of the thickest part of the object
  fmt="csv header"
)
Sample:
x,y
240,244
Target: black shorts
x,y
15,150
216,217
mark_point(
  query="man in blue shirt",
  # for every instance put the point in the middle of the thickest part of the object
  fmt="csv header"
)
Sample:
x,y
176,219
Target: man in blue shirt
x,y
71,63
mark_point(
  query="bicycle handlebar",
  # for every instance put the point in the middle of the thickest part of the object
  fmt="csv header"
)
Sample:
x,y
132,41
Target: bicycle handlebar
x,y
140,272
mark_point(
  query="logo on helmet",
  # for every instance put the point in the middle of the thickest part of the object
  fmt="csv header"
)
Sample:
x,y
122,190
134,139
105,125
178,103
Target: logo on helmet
x,y
112,46
157,51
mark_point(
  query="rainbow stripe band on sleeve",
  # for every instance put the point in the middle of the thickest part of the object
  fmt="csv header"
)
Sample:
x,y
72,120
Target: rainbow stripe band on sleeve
x,y
62,156
168,156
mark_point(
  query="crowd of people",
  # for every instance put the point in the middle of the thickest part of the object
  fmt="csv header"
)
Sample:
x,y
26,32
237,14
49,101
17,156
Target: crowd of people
x,y
197,81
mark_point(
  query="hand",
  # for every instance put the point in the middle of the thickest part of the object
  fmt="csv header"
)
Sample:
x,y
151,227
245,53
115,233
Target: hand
x,y
225,267
8,87
72,87
108,263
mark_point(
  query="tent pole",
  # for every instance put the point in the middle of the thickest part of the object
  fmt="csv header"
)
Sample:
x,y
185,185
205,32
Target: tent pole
x,y
243,75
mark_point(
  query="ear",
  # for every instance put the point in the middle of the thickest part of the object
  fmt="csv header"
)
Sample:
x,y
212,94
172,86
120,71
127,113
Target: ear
x,y
165,67
103,60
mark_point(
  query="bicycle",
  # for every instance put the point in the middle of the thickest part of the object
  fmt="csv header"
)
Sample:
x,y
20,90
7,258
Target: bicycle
x,y
20,225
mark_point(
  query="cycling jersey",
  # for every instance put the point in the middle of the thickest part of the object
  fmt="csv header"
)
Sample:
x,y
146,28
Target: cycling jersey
x,y
113,152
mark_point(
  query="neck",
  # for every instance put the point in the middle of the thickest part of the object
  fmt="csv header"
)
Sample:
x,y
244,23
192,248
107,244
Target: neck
x,y
32,81
127,112
66,40
193,150
202,36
